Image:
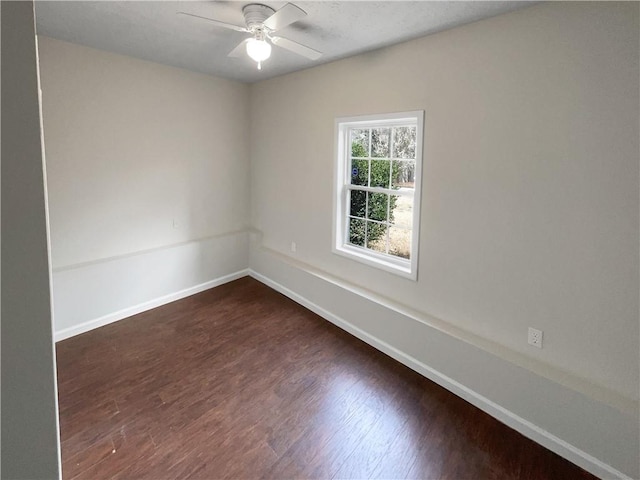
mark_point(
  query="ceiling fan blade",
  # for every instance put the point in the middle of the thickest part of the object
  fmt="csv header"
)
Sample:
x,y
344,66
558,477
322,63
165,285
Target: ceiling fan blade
x,y
240,50
285,16
296,47
215,22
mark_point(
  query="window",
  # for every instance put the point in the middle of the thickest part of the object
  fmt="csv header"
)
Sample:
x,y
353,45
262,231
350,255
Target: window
x,y
378,172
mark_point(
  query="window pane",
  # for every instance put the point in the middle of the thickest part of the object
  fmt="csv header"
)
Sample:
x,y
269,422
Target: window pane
x,y
403,174
404,144
376,236
380,173
359,172
401,211
358,203
357,232
380,142
378,206
360,142
400,242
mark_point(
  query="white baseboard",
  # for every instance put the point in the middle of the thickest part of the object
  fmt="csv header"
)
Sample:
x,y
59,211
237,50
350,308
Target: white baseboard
x,y
142,307
523,426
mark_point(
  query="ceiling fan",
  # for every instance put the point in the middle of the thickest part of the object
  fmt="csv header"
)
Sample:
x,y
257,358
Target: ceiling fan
x,y
261,22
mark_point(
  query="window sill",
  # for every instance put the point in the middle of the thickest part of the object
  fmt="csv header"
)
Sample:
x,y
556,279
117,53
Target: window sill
x,y
399,267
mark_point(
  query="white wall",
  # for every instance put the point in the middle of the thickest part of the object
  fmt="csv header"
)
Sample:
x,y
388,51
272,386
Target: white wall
x,y
133,145
146,164
30,446
530,203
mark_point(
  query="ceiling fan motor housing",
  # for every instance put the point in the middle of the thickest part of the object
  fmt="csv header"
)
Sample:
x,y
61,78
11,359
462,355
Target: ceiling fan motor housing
x,y
255,14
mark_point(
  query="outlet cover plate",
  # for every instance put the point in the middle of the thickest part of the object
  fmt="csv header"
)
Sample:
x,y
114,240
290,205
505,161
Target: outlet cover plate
x,y
534,337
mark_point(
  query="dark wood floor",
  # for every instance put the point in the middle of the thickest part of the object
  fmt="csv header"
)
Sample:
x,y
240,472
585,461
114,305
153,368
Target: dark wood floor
x,y
240,382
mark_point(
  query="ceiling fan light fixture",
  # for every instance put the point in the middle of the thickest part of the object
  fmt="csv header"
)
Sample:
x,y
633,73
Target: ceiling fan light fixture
x,y
261,22
258,50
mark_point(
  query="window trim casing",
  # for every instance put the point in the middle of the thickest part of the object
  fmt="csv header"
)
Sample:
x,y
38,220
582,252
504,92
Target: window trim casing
x,y
398,266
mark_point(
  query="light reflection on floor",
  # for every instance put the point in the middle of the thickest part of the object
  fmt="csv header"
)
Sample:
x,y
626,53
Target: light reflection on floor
x,y
368,421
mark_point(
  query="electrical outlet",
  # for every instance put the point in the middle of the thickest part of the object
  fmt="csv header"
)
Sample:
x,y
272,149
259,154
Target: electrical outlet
x,y
534,337
294,247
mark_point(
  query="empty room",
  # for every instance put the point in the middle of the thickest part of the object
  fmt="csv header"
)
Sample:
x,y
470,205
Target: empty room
x,y
340,240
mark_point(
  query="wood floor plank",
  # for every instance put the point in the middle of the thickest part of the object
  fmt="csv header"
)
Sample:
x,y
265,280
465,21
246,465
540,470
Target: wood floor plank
x,y
240,382
88,457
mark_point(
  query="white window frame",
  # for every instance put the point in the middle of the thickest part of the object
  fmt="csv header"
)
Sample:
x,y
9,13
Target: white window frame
x,y
404,267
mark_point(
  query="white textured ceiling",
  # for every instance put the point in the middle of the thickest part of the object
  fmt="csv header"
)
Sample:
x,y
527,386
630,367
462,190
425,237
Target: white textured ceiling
x,y
151,30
